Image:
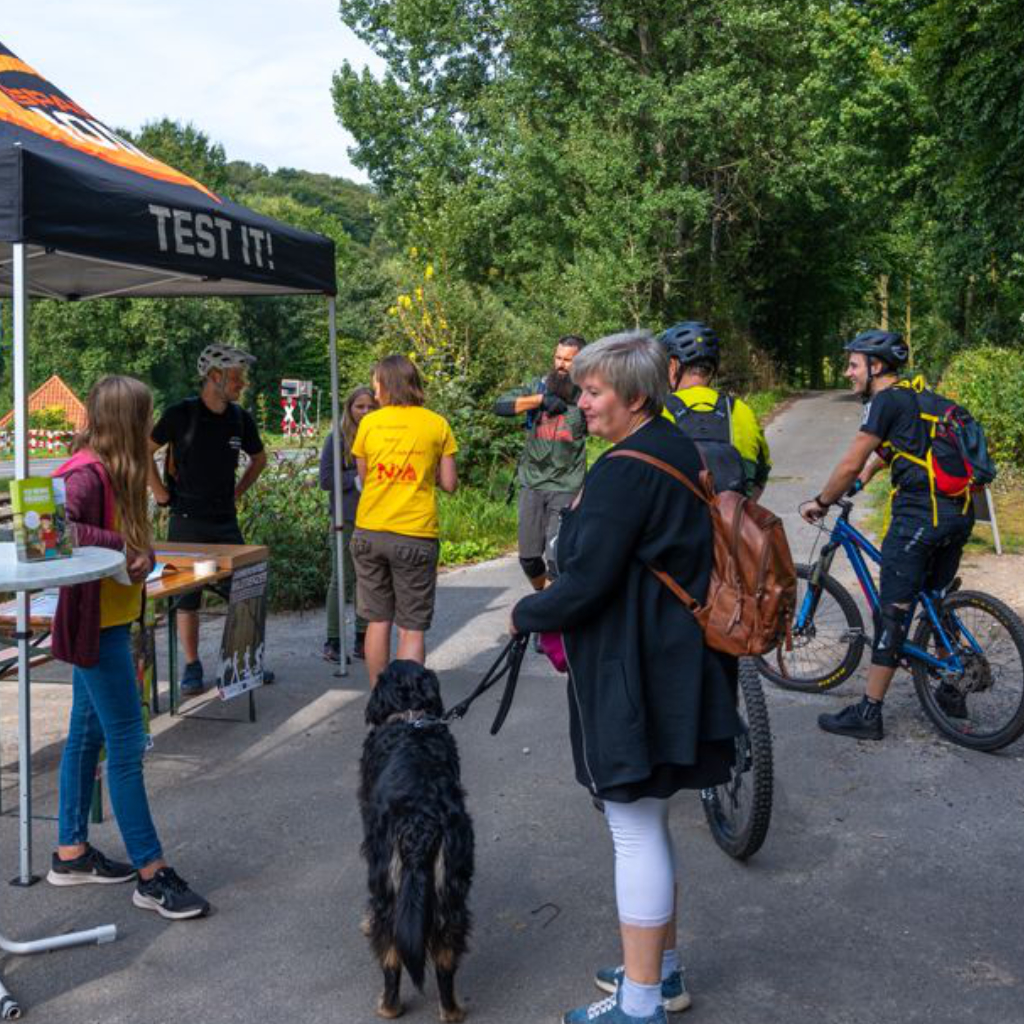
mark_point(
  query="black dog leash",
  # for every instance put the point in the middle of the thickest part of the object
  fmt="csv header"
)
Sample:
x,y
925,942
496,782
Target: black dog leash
x,y
508,664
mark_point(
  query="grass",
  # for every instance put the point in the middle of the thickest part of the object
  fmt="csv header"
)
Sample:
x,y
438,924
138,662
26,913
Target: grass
x,y
764,403
477,523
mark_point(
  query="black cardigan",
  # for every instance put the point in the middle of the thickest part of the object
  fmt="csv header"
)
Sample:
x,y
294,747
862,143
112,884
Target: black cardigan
x,y
652,710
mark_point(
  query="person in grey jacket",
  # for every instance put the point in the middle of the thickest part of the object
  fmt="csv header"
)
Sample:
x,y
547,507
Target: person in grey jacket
x,y
652,709
357,405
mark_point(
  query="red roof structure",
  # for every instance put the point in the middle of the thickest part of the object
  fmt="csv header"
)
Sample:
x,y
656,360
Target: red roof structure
x,y
54,393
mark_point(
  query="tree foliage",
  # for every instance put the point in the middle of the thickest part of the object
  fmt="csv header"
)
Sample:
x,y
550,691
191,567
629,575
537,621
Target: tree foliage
x,y
790,169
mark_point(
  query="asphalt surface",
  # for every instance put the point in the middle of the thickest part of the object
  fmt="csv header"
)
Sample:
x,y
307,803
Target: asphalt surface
x,y
884,893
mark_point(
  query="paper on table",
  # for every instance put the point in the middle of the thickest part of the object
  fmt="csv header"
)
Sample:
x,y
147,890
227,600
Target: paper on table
x,y
44,605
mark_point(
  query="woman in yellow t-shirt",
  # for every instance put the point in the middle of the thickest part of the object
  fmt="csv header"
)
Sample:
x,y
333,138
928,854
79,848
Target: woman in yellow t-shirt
x,y
403,452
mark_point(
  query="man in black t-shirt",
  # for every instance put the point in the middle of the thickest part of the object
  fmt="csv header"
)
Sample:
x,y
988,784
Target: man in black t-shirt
x,y
205,435
927,531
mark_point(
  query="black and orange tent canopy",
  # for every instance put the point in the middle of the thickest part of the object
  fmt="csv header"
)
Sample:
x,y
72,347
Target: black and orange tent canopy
x,y
99,217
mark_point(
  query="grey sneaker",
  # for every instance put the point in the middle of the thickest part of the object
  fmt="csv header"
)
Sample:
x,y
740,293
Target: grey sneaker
x,y
609,1011
91,868
170,896
674,996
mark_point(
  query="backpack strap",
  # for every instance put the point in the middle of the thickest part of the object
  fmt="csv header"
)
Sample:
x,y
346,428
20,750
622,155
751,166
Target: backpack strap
x,y
676,406
627,453
724,405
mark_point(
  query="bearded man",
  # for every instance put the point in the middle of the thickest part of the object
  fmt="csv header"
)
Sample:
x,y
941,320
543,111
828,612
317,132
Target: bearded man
x,y
554,458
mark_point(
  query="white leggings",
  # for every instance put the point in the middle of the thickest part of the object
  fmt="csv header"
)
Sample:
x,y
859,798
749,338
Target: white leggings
x,y
645,861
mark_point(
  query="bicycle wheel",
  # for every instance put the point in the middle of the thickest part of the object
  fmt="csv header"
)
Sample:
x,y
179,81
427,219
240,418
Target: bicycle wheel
x,y
983,706
739,811
828,649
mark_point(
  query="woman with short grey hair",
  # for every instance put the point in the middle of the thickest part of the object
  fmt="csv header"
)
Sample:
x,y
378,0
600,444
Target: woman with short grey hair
x,y
652,709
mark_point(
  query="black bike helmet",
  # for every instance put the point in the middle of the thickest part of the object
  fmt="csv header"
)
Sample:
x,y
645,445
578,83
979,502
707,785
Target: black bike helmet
x,y
885,345
691,342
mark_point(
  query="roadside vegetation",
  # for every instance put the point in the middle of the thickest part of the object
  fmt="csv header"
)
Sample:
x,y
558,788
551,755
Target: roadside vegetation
x,y
537,169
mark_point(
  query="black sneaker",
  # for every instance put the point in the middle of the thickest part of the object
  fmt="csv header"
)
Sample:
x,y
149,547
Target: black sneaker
x,y
169,895
952,702
850,722
359,647
332,651
192,682
91,868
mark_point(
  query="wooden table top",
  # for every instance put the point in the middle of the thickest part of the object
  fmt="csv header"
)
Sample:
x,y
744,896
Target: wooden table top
x,y
181,555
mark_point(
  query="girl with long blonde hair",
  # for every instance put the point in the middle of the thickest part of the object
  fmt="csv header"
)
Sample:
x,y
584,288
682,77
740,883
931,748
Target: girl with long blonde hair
x,y
105,483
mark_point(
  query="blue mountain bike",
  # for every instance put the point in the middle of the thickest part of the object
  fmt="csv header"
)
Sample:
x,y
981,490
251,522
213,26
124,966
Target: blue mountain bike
x,y
965,649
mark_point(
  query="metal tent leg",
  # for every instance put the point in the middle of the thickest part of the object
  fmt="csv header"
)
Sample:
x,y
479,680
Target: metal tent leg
x,y
336,525
9,1008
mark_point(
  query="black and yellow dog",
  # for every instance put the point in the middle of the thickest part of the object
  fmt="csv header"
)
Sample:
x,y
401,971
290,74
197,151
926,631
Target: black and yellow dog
x,y
417,837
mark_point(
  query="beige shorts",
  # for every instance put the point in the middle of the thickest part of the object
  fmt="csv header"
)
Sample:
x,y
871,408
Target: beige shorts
x,y
396,577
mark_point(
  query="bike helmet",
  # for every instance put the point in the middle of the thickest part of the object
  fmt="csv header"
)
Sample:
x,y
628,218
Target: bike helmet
x,y
885,345
691,342
222,357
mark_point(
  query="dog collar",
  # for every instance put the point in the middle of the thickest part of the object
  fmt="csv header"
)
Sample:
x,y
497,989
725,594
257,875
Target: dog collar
x,y
418,718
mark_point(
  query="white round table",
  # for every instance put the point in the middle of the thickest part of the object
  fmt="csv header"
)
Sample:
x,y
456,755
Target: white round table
x,y
84,566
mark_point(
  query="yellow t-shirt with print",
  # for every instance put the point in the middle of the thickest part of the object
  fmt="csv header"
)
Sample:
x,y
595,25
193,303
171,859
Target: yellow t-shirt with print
x,y
402,446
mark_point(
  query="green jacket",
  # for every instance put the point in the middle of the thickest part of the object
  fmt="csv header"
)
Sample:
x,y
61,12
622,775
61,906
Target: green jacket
x,y
554,457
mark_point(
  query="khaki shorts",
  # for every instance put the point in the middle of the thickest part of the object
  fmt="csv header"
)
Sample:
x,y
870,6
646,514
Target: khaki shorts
x,y
396,578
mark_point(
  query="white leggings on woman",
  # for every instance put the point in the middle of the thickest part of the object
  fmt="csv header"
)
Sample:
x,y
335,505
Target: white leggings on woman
x,y
645,861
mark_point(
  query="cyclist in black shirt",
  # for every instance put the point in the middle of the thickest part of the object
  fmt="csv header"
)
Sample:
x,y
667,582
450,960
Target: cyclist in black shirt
x,y
205,435
927,531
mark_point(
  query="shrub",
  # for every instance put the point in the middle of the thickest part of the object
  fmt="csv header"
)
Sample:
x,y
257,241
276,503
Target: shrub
x,y
287,511
468,348
52,417
989,382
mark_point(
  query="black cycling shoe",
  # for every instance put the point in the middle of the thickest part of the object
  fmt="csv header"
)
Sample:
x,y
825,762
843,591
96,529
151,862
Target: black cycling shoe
x,y
851,722
952,702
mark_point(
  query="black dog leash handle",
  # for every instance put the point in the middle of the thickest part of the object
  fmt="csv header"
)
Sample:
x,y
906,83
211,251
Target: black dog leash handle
x,y
508,664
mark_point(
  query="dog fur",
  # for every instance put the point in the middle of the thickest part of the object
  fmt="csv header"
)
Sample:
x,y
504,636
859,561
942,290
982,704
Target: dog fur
x,y
417,838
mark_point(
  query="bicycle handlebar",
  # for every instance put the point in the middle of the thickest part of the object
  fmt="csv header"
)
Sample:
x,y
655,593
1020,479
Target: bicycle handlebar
x,y
846,506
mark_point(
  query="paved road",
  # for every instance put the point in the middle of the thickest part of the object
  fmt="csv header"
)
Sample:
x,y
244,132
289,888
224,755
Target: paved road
x,y
884,894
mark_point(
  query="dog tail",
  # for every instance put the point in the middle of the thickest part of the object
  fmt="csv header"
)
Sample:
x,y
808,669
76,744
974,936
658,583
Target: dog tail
x,y
413,915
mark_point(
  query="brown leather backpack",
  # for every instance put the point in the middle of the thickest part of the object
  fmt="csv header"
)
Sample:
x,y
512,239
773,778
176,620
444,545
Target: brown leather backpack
x,y
752,595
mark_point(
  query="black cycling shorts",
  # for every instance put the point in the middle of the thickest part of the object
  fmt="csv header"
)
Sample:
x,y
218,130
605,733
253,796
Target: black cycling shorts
x,y
916,556
202,531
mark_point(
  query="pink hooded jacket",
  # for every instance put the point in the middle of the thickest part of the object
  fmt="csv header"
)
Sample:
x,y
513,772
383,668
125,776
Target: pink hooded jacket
x,y
91,507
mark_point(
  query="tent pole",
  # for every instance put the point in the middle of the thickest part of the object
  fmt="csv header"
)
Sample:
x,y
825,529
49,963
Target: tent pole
x,y
24,598
339,520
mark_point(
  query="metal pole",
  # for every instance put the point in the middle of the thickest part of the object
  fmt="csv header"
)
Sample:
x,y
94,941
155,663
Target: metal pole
x,y
338,522
992,518
24,598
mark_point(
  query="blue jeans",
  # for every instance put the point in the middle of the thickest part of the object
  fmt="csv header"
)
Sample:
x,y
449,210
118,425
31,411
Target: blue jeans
x,y
106,711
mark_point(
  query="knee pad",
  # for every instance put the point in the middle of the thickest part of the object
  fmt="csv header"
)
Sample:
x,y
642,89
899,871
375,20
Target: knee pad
x,y
892,631
533,567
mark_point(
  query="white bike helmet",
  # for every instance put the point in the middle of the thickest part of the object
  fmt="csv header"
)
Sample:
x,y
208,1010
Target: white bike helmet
x,y
222,357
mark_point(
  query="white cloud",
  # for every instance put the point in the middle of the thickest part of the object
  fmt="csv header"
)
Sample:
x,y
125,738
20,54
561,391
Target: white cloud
x,y
255,75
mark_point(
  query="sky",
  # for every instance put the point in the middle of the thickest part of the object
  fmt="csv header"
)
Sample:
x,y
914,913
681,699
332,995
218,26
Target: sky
x,y
254,75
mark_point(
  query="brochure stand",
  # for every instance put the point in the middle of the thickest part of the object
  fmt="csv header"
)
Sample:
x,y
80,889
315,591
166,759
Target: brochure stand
x,y
86,565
